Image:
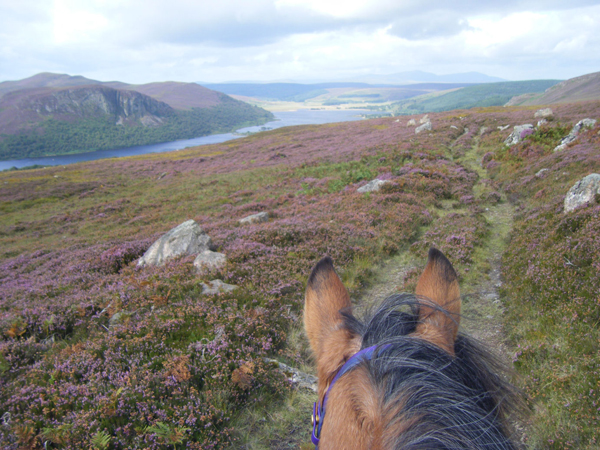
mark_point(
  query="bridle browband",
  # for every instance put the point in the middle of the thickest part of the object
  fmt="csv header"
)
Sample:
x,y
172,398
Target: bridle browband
x,y
318,415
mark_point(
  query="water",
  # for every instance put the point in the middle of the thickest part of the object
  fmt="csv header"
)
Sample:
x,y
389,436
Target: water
x,y
283,119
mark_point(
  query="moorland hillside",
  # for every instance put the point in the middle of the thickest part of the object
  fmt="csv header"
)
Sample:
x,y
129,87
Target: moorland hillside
x,y
98,352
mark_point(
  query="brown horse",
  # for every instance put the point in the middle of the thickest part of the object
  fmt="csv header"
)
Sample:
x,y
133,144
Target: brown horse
x,y
402,378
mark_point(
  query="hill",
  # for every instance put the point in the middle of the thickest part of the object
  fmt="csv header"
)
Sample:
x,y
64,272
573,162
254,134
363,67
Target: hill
x,y
482,95
53,114
296,92
95,350
583,88
418,76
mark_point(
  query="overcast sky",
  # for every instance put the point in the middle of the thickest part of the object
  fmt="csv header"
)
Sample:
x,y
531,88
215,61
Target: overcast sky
x,y
223,40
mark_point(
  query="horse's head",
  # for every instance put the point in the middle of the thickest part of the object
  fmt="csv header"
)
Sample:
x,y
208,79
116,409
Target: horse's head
x,y
417,367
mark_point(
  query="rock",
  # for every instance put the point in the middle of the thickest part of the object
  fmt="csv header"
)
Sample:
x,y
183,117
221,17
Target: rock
x,y
545,112
185,239
117,318
296,377
585,123
425,127
454,126
372,186
504,127
542,122
411,123
209,260
585,191
216,287
541,173
518,134
255,218
425,119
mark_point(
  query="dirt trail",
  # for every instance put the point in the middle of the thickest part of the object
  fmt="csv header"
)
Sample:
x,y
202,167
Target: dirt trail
x,y
482,308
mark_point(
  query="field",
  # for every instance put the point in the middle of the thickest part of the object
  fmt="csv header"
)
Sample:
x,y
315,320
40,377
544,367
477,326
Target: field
x,y
96,352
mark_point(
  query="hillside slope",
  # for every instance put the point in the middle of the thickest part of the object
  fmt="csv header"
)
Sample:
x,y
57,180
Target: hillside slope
x,y
481,95
584,88
93,347
51,114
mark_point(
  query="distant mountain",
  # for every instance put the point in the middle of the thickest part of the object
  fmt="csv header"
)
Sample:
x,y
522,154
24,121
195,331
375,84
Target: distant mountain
x,y
175,94
481,95
586,87
52,114
418,76
297,92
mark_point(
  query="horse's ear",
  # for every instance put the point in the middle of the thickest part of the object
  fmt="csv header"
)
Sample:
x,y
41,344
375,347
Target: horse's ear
x,y
439,309
325,298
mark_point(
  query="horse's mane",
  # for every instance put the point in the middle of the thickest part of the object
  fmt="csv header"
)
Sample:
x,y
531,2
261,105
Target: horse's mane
x,y
460,402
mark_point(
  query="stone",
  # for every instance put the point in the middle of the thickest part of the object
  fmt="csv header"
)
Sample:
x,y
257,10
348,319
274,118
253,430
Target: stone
x,y
425,127
504,127
585,191
118,318
296,377
255,218
411,123
585,123
517,134
424,119
541,122
541,173
216,287
454,127
209,260
545,112
185,239
372,186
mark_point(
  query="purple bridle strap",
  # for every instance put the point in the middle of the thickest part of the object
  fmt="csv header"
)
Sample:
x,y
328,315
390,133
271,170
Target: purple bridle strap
x,y
319,408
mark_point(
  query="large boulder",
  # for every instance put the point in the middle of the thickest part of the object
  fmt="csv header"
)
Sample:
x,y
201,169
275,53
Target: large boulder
x,y
585,123
519,132
585,191
255,218
372,186
411,123
425,127
185,239
209,260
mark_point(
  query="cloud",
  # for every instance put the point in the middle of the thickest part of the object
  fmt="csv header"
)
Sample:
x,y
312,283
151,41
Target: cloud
x,y
192,40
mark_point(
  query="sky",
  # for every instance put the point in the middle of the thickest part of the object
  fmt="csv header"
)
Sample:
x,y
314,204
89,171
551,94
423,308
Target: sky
x,y
297,40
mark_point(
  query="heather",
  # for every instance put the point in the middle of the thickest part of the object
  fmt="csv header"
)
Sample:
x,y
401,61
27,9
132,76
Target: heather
x,y
98,353
551,279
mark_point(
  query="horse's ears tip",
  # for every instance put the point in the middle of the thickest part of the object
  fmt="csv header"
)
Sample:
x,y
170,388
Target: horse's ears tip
x,y
324,265
435,254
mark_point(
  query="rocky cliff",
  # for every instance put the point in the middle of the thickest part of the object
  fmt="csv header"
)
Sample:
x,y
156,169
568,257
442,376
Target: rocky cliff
x,y
34,105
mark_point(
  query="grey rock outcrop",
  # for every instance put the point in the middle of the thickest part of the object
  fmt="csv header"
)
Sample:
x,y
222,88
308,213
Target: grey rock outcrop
x,y
424,119
541,173
216,287
503,127
296,377
543,113
185,239
411,123
585,123
372,186
255,218
209,260
585,191
425,127
541,122
515,136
